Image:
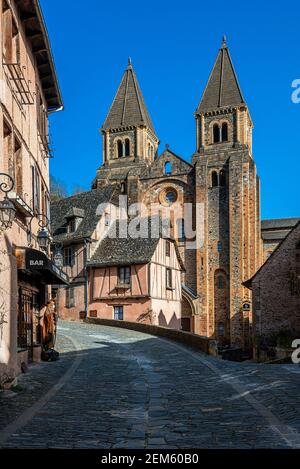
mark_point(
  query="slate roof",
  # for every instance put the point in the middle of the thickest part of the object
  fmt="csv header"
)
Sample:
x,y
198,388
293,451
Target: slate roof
x,y
123,251
127,251
248,283
128,107
279,223
86,202
222,88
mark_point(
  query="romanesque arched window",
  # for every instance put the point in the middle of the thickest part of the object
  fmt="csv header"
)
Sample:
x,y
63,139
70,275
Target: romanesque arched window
x,y
216,133
224,132
220,282
149,150
222,178
119,148
168,167
127,147
214,179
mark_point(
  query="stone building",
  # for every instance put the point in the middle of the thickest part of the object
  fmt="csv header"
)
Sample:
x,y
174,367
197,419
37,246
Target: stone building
x,y
29,92
212,202
221,183
276,289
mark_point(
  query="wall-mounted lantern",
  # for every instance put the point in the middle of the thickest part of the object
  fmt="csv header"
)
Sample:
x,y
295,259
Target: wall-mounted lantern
x,y
7,208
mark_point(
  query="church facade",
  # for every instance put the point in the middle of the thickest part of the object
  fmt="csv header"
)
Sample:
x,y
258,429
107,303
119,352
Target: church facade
x,y
220,182
212,202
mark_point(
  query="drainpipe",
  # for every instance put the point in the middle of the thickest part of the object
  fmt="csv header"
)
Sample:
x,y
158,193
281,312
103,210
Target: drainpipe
x,y
86,276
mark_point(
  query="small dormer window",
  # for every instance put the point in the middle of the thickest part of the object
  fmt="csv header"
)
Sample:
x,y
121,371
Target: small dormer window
x,y
72,225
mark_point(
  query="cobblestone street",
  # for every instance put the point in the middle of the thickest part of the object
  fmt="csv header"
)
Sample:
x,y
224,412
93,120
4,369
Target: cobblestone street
x,y
115,388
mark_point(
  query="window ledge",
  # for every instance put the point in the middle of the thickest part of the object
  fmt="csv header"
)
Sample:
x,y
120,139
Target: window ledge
x,y
125,286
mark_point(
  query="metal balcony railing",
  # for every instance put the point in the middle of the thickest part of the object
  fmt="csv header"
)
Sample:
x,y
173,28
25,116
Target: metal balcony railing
x,y
44,144
19,83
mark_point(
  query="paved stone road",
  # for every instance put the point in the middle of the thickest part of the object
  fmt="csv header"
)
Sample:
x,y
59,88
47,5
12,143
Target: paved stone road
x,y
114,388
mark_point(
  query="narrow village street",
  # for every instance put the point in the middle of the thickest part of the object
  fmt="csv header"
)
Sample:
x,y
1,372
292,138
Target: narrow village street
x,y
115,388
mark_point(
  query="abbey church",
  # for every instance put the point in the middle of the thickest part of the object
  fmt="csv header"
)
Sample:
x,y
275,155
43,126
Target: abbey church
x,y
220,183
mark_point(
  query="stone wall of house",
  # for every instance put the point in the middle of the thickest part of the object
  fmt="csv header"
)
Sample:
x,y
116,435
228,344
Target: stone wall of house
x,y
276,289
24,156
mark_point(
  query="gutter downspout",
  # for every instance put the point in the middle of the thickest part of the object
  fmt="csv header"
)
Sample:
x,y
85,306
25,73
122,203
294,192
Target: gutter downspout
x,y
86,276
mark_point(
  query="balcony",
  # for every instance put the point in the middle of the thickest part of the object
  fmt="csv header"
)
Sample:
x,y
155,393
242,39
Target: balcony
x,y
45,149
20,85
20,204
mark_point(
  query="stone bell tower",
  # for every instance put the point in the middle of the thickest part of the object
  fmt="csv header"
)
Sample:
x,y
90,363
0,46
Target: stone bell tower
x,y
129,139
227,192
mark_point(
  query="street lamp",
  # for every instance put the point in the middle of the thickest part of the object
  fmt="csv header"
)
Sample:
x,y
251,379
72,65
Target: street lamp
x,y
43,235
43,238
7,208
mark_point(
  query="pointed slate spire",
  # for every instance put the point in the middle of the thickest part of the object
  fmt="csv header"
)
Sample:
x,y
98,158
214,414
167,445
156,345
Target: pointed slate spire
x,y
128,107
222,88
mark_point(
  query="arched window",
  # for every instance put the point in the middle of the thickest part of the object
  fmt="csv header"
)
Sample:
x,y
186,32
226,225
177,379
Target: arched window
x,y
214,179
222,178
224,132
119,148
168,167
149,150
127,147
220,282
216,133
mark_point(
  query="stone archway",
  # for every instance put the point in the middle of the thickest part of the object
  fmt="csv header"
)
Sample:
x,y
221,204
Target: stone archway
x,y
187,314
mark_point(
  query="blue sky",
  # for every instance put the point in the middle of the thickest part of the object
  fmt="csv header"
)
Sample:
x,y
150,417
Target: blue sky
x,y
173,46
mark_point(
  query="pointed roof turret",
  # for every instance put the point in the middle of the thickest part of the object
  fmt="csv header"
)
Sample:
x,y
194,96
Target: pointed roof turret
x,y
128,107
222,88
